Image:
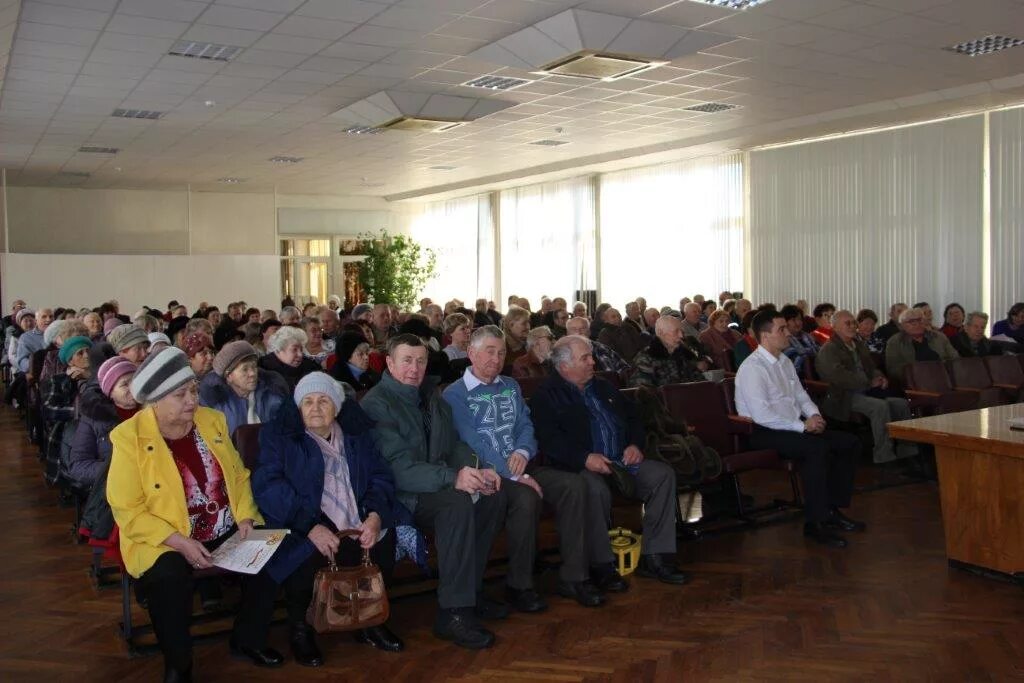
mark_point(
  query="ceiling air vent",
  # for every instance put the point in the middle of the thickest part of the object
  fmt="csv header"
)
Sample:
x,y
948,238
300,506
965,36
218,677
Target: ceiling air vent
x,y
496,82
732,4
73,174
598,66
137,114
362,130
231,181
212,51
88,149
550,143
985,45
710,107
285,160
420,125
443,168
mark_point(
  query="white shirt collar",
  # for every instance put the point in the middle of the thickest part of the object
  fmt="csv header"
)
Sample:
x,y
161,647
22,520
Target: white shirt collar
x,y
472,381
766,355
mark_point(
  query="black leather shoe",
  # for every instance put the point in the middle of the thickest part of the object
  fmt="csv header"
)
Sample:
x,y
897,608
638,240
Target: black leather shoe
x,y
526,600
380,637
819,532
837,520
582,592
654,567
608,580
265,657
304,647
461,627
490,610
172,675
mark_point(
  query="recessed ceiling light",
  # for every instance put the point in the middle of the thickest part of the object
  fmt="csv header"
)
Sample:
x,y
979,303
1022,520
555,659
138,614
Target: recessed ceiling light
x,y
231,181
137,114
550,143
984,45
732,4
88,149
496,82
362,130
443,168
710,107
285,160
196,50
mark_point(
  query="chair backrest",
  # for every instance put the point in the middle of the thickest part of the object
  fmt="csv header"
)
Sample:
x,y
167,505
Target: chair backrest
x,y
970,373
1006,369
613,377
529,385
702,406
928,375
728,387
247,442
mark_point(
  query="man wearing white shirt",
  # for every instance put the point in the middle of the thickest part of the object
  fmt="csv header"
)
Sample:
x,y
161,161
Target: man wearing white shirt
x,y
769,392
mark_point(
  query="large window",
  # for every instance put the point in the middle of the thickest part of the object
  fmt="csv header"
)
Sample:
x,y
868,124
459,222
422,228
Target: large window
x,y
305,269
460,232
547,240
671,231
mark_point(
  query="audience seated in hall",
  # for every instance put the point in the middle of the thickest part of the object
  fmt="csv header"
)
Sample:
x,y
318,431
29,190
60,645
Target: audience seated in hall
x,y
970,340
624,337
801,344
1013,325
666,359
438,478
892,325
534,363
914,343
606,359
785,419
491,416
856,385
586,426
823,323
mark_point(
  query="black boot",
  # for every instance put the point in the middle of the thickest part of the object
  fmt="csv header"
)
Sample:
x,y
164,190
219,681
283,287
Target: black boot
x,y
656,567
379,637
303,644
460,626
820,532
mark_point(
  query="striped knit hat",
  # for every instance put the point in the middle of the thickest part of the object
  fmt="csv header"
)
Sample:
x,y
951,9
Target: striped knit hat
x,y
160,374
112,370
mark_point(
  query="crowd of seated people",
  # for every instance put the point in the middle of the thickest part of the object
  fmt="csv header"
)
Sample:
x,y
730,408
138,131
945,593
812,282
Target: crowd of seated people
x,y
357,434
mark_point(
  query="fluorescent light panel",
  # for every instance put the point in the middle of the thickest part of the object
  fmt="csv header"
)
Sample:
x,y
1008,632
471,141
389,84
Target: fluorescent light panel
x,y
496,82
211,51
710,107
137,114
732,4
89,149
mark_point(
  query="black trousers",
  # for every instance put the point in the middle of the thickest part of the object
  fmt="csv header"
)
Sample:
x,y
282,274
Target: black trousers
x,y
168,586
298,587
463,533
827,463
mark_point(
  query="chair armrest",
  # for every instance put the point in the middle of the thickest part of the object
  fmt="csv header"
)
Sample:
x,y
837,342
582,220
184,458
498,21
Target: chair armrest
x,y
1010,387
740,425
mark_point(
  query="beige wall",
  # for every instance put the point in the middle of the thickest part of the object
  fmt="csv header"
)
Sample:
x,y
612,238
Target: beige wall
x,y
74,221
232,223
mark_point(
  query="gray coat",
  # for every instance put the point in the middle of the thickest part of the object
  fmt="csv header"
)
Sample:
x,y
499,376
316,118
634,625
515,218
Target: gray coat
x,y
836,364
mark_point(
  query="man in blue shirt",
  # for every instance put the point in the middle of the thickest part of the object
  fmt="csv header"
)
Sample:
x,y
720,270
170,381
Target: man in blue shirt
x,y
491,416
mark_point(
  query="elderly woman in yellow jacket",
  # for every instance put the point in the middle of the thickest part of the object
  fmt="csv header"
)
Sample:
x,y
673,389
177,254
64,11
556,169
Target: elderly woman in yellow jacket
x,y
178,489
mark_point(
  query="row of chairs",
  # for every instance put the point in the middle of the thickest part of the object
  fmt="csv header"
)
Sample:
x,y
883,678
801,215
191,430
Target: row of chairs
x,y
966,383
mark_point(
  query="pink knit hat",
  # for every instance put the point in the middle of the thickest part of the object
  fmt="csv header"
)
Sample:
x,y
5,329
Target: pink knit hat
x,y
112,370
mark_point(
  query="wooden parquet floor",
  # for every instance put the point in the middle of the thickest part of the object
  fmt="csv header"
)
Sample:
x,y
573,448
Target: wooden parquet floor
x,y
763,606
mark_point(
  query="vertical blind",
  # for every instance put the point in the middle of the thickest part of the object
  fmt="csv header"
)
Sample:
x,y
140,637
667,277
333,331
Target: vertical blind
x,y
547,239
671,231
457,230
868,220
1006,133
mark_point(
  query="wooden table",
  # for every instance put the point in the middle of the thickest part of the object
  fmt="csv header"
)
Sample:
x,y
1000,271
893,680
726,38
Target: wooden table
x,y
981,483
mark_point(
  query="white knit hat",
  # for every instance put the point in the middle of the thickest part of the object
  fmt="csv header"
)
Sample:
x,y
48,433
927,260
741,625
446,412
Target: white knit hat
x,y
320,383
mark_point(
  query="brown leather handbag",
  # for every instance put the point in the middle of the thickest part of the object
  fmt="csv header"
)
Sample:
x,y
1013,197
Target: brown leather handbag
x,y
348,598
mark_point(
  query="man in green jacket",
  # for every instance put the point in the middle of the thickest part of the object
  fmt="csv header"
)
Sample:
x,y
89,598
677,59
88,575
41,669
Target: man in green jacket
x,y
856,385
914,343
439,478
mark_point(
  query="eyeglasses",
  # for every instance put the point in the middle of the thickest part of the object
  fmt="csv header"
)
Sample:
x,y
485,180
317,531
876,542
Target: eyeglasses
x,y
911,321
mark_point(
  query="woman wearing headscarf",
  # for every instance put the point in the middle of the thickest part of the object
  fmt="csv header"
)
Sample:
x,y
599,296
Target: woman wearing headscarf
x,y
353,363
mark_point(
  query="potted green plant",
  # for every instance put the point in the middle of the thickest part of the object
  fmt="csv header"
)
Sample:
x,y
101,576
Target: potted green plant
x,y
396,269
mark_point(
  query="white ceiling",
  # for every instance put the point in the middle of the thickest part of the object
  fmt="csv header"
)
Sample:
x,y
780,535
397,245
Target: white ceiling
x,y
792,66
